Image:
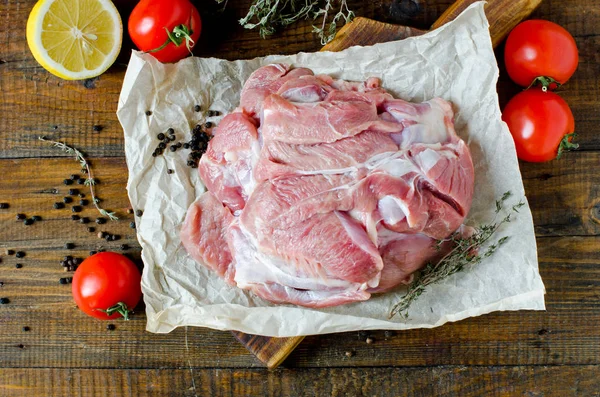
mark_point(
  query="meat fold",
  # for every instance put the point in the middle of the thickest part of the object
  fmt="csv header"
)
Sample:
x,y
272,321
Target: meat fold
x,y
323,191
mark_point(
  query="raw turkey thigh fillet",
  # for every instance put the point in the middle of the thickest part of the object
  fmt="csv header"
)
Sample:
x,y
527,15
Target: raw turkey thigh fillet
x,y
323,191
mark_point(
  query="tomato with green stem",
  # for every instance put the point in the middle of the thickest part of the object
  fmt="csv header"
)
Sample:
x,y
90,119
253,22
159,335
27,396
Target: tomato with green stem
x,y
167,29
541,123
107,286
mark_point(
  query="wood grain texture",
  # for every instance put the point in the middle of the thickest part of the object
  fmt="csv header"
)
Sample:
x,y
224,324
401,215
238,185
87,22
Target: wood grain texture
x,y
268,350
444,381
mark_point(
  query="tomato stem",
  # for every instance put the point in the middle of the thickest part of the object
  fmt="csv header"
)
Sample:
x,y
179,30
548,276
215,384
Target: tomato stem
x,y
177,36
566,144
120,308
547,83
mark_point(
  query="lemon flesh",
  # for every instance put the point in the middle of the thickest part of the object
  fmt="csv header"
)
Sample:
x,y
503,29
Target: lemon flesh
x,y
75,39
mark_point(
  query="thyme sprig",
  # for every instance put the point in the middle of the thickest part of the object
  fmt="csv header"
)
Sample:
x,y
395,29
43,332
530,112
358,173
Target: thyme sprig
x,y
465,253
84,166
270,15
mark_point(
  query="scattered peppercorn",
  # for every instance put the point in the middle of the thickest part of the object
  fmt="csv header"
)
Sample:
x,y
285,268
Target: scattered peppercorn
x,y
84,220
18,265
77,261
67,181
186,145
67,200
191,163
197,108
21,346
81,195
69,246
115,237
208,124
74,217
172,137
160,136
76,208
26,328
91,229
108,237
20,254
1,283
170,171
73,192
148,113
170,131
83,202
124,247
110,327
173,148
4,301
3,206
162,145
139,212
132,225
67,258
36,218
74,176
20,217
101,221
97,200
93,252
97,128
130,210
211,113
10,252
81,181
28,222
62,280
58,206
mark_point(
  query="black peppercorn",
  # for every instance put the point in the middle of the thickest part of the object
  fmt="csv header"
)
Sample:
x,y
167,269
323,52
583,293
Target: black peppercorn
x,y
81,195
74,176
74,217
148,113
63,280
58,206
83,202
93,252
172,137
77,261
26,328
84,220
18,265
36,218
4,301
81,181
69,246
76,208
20,254
154,154
124,247
170,171
161,136
208,124
115,237
67,200
97,128
10,252
186,145
162,145
20,217
191,163
108,237
173,148
67,181
170,131
3,206
211,113
101,221
110,327
73,192
132,225
197,108
139,212
67,258
91,229
28,222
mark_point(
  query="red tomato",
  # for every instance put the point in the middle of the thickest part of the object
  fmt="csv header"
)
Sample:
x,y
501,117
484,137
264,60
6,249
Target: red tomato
x,y
104,281
540,48
151,19
541,124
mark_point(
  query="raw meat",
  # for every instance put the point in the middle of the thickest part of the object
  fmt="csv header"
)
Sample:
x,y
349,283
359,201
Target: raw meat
x,y
324,191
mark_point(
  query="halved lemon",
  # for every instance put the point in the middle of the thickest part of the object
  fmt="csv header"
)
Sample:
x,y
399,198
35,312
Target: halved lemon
x,y
75,39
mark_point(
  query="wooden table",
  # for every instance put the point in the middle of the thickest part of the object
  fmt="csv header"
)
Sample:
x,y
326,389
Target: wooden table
x,y
552,353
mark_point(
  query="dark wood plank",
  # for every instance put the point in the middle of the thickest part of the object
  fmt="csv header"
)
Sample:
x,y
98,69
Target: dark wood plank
x,y
545,381
270,351
33,102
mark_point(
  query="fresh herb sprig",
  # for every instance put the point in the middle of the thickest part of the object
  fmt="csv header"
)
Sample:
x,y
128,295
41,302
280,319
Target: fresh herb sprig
x,y
465,253
270,15
84,166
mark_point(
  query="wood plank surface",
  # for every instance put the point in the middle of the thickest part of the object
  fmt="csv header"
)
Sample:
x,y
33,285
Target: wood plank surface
x,y
443,381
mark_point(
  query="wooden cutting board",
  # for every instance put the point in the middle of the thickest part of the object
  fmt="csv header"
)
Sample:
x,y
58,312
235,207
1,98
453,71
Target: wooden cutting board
x,y
503,15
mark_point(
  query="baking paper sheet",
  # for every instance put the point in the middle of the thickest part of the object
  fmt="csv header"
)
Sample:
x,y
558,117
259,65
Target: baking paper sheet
x,y
455,62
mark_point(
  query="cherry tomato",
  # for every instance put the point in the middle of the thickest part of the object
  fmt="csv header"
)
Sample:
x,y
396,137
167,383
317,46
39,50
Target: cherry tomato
x,y
540,48
107,285
174,24
541,124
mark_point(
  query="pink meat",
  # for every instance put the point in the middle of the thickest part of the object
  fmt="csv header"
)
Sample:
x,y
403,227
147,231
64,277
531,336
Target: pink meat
x,y
323,191
203,235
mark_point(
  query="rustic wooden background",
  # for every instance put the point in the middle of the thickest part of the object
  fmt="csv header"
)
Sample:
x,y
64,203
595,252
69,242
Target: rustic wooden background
x,y
552,353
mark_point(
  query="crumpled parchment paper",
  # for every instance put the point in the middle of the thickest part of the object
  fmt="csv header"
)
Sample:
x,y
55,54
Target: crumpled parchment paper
x,y
455,62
